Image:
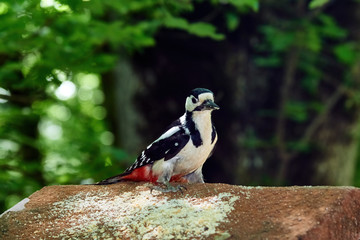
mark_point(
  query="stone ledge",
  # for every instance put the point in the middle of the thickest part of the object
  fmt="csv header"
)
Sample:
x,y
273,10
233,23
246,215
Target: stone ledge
x,y
204,211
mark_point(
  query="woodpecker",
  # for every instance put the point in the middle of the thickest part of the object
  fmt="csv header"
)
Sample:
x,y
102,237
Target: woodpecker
x,y
179,153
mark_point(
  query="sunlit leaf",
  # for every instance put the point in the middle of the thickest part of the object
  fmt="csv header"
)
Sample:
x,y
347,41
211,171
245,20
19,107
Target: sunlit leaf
x,y
175,22
253,4
317,3
205,30
200,29
108,162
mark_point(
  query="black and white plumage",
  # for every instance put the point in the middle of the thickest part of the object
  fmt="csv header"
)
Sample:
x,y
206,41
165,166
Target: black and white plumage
x,y
180,152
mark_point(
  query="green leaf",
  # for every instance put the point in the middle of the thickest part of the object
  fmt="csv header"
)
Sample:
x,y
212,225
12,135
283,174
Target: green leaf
x,y
277,39
299,146
253,4
175,22
330,28
108,162
316,106
270,61
296,111
313,39
346,53
311,84
202,29
232,21
4,8
317,3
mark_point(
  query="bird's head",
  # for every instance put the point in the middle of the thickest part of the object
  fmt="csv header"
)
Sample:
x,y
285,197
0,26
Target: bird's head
x,y
200,99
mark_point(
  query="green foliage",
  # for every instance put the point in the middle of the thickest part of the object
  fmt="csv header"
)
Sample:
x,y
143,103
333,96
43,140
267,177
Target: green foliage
x,y
200,29
53,126
319,43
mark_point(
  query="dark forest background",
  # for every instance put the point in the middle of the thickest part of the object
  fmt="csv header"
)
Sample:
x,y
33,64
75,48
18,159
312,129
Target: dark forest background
x,y
85,85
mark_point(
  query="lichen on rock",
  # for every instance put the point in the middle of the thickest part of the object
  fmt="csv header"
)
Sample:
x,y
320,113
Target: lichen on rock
x,y
142,215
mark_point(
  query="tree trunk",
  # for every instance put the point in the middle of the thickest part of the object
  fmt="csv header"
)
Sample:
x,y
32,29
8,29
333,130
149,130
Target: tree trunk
x,y
120,86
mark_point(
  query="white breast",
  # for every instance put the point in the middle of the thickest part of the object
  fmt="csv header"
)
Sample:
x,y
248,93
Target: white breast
x,y
190,157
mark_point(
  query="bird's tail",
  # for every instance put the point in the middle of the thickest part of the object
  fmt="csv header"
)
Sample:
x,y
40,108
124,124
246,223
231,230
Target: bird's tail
x,y
137,175
112,180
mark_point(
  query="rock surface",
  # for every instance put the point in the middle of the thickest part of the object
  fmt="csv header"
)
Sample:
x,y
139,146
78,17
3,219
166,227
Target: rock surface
x,y
203,211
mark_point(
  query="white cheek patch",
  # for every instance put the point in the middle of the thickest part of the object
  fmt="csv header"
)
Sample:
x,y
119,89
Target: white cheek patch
x,y
189,105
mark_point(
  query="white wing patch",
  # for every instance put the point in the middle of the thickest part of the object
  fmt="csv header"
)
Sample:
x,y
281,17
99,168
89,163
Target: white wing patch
x,y
167,134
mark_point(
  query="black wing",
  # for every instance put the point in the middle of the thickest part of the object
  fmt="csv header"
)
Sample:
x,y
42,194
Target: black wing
x,y
213,134
166,147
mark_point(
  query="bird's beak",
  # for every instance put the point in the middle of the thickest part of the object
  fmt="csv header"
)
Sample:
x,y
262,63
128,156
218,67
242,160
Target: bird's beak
x,y
210,105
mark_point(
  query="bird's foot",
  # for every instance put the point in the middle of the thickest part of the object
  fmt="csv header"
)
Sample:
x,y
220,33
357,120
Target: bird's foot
x,y
168,188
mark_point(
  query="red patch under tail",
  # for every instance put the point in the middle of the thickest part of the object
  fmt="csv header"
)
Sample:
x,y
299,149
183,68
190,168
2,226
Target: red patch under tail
x,y
141,174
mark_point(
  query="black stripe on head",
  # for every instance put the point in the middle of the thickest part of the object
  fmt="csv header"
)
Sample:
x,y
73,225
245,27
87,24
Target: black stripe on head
x,y
197,91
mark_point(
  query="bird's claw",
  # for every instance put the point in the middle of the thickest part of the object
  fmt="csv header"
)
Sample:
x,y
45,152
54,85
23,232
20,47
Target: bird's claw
x,y
169,188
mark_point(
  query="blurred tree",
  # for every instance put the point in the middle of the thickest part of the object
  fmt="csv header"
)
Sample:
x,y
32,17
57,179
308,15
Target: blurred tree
x,y
282,78
309,150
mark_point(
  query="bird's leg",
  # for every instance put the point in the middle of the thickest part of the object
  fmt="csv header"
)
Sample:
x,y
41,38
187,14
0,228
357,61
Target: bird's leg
x,y
164,180
165,170
195,177
168,188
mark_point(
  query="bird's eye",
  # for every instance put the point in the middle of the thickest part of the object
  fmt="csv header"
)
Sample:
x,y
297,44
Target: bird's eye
x,y
194,100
